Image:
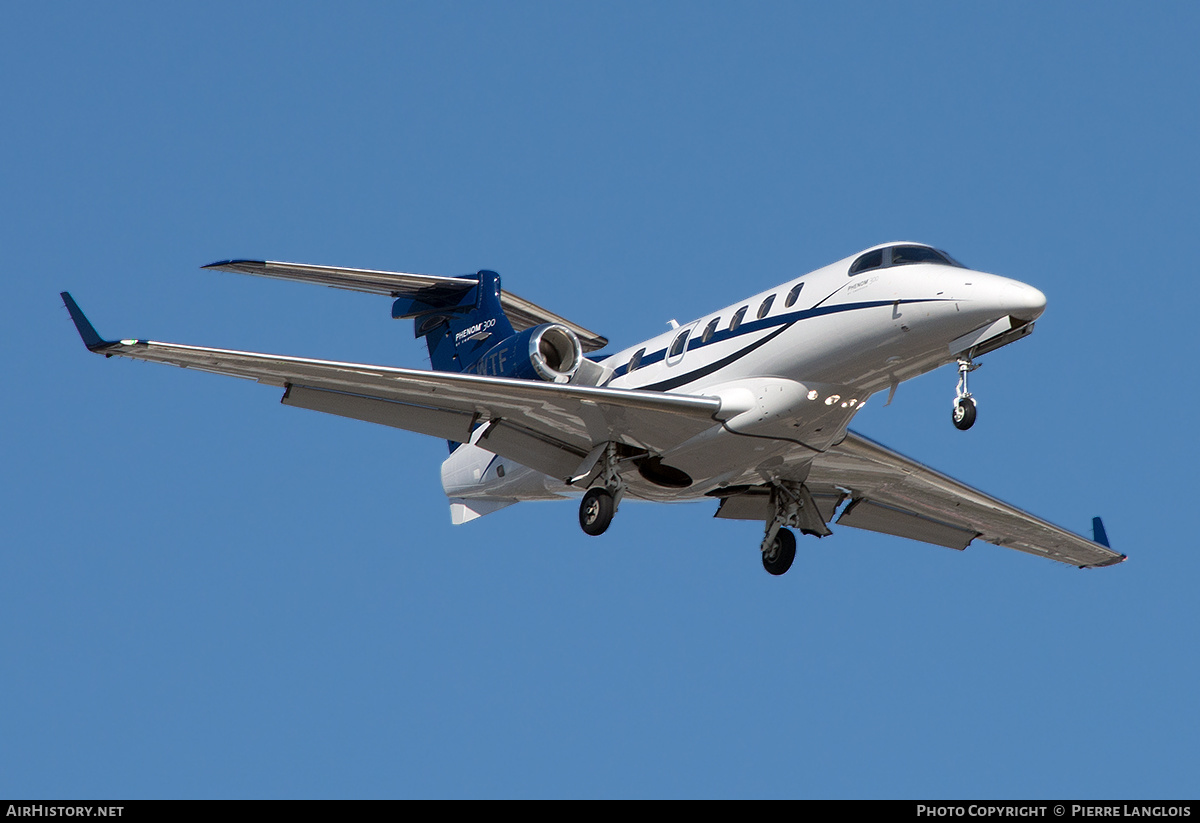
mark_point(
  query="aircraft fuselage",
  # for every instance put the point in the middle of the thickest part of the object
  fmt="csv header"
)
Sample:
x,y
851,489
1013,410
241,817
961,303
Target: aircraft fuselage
x,y
801,358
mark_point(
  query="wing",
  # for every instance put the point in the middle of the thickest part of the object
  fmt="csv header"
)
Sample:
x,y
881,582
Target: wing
x,y
896,495
434,289
546,426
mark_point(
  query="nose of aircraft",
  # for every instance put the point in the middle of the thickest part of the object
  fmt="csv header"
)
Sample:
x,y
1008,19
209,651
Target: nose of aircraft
x,y
990,297
1025,302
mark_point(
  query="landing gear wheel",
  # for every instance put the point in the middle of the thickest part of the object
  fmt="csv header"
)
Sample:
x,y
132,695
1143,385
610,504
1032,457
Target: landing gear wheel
x,y
964,413
596,511
783,551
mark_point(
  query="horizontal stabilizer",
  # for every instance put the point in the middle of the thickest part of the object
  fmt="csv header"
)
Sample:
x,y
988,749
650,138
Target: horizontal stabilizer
x,y
389,283
429,291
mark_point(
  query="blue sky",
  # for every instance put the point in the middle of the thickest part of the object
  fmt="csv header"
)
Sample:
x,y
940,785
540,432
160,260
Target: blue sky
x,y
209,595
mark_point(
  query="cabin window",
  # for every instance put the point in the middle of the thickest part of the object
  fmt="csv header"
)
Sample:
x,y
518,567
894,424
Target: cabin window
x,y
680,342
710,330
736,320
793,294
636,360
765,307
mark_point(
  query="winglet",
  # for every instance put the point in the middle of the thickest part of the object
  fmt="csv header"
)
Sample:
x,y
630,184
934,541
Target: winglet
x,y
91,339
236,265
1100,536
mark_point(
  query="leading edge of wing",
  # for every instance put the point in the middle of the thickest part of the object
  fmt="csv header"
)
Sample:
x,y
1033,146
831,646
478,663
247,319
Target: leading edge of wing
x,y
521,312
872,471
538,405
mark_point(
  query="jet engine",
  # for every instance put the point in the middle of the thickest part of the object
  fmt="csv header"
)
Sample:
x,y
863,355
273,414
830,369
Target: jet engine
x,y
550,352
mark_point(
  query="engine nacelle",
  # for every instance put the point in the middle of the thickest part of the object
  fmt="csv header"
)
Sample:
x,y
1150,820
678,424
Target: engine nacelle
x,y
549,352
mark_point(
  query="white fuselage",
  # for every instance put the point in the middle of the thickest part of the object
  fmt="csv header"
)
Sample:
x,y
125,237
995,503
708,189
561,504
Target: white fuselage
x,y
801,359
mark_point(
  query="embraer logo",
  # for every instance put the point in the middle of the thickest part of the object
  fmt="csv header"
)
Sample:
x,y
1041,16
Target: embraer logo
x,y
472,331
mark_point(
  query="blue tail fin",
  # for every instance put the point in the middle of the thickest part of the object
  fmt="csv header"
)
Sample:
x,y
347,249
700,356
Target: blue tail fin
x,y
458,328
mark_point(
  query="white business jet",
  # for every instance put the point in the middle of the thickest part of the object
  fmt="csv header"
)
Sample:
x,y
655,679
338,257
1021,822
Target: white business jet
x,y
747,406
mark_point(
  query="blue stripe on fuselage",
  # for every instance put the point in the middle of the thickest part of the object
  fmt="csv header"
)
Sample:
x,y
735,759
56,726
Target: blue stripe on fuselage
x,y
749,327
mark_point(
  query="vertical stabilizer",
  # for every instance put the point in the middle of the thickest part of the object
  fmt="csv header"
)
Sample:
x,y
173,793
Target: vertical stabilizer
x,y
458,328
457,336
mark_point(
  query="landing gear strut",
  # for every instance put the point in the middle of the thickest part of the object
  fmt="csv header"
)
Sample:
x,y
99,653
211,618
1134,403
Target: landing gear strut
x,y
791,505
600,502
964,403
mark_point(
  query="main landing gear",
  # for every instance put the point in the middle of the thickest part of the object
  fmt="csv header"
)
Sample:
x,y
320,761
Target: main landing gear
x,y
791,505
600,502
778,559
596,510
964,403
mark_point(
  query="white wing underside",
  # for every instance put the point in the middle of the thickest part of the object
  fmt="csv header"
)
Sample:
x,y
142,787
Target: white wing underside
x,y
896,495
548,427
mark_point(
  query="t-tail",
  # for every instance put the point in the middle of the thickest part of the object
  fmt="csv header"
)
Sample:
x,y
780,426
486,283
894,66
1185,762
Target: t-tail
x,y
459,326
468,331
464,320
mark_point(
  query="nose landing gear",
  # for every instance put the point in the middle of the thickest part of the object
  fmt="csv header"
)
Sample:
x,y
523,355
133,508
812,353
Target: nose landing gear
x,y
964,404
964,413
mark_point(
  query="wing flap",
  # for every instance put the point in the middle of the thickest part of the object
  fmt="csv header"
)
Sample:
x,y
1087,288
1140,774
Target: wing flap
x,y
429,288
899,489
866,514
441,423
536,450
755,504
531,447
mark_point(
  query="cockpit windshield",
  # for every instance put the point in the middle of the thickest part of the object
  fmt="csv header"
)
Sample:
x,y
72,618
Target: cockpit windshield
x,y
902,256
907,255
